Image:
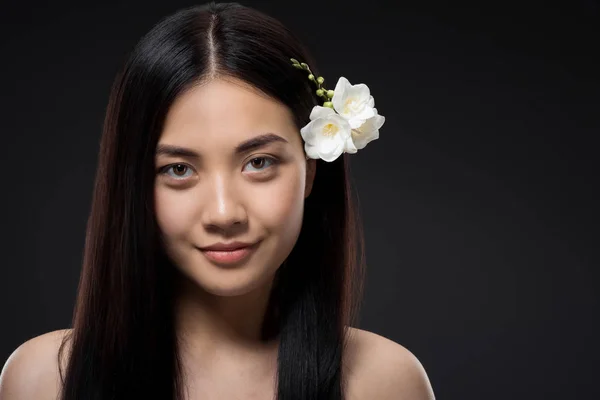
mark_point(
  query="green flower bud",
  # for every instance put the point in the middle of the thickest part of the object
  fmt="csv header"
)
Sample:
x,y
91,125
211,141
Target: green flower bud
x,y
304,65
320,80
294,61
330,93
328,104
311,77
319,92
297,66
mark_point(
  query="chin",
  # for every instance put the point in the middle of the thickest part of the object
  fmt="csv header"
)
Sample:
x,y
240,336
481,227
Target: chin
x,y
231,290
227,281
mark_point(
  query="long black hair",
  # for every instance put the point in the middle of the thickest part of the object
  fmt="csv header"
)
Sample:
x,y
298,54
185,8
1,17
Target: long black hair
x,y
123,343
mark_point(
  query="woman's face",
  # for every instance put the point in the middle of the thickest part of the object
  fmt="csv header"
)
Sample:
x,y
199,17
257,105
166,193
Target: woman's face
x,y
230,168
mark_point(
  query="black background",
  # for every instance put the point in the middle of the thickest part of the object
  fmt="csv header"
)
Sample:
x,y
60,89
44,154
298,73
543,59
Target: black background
x,y
478,199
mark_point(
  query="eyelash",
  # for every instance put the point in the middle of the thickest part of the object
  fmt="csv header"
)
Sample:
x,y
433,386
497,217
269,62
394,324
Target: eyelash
x,y
163,170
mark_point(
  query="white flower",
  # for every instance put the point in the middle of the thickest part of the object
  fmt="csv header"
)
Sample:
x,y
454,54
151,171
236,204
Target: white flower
x,y
347,121
353,102
368,131
327,135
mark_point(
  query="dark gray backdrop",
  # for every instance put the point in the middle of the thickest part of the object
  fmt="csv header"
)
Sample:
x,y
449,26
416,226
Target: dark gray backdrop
x,y
478,199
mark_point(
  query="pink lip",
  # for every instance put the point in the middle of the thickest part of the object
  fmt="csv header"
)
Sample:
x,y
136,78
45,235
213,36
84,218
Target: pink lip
x,y
229,256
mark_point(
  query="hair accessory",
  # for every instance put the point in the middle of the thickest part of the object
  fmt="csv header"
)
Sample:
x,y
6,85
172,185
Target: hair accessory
x,y
347,121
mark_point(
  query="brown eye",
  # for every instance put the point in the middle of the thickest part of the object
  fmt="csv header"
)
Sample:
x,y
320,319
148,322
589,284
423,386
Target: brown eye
x,y
176,171
179,169
259,164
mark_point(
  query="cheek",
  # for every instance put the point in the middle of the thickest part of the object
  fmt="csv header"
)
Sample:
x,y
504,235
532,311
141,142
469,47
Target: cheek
x,y
279,206
173,212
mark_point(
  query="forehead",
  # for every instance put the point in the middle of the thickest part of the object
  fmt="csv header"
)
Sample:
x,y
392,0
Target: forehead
x,y
224,112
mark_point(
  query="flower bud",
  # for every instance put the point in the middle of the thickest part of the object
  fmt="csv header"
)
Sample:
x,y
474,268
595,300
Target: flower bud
x,y
320,80
319,92
304,65
328,104
311,77
330,93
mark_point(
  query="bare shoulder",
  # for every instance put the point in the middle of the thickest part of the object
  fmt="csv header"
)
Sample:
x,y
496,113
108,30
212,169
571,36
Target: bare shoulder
x,y
31,371
379,368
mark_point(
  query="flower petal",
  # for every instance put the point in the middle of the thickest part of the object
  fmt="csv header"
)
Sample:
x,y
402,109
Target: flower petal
x,y
349,146
371,102
359,119
309,131
368,132
340,93
320,112
326,137
332,153
311,151
360,91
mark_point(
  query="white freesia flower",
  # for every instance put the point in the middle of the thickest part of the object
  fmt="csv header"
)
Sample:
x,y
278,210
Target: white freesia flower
x,y
347,121
368,131
353,102
327,135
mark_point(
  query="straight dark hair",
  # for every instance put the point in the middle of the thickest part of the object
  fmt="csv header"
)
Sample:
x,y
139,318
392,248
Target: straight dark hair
x,y
123,344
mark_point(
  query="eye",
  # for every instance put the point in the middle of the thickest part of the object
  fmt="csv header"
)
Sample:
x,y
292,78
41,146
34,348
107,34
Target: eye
x,y
261,163
179,171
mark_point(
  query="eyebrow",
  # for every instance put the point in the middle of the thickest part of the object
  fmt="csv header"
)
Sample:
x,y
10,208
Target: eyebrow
x,y
244,147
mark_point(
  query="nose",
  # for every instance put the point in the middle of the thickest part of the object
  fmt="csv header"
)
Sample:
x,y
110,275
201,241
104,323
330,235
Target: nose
x,y
223,209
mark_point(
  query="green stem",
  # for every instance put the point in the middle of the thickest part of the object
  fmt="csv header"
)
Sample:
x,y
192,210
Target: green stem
x,y
319,85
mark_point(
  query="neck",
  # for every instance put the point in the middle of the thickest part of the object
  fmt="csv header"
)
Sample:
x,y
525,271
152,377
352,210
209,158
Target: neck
x,y
212,327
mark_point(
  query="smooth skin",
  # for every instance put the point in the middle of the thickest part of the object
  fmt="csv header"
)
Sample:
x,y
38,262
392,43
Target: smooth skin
x,y
228,186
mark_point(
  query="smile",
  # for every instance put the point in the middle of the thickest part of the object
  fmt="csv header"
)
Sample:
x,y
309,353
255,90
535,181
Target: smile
x,y
228,257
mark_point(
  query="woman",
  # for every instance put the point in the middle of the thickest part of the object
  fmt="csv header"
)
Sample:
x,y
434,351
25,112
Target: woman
x,y
222,255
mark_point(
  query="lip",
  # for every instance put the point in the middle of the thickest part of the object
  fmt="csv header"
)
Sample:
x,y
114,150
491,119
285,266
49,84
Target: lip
x,y
229,253
227,246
